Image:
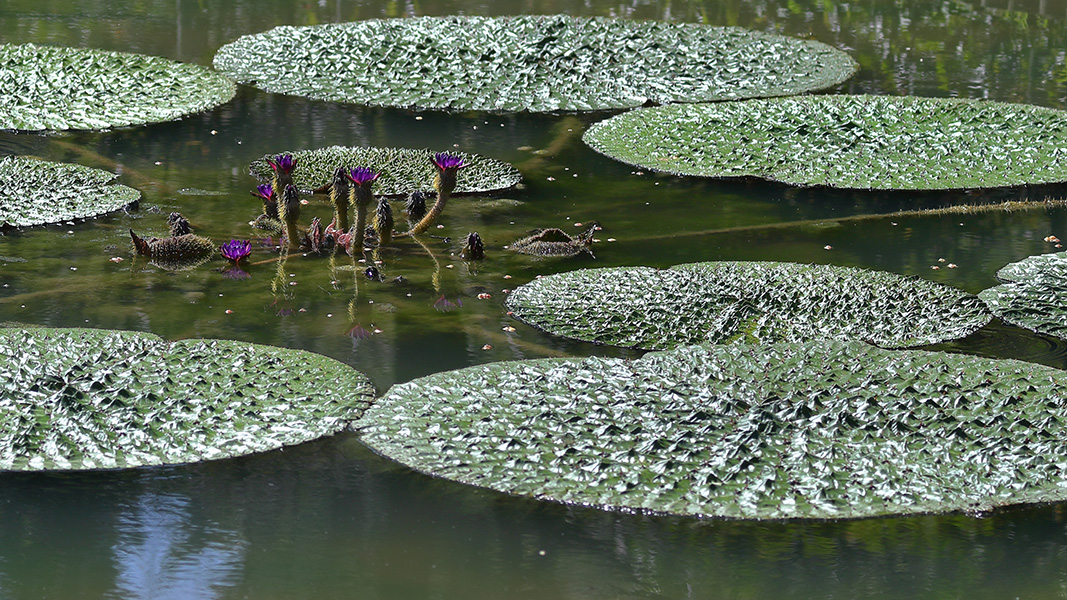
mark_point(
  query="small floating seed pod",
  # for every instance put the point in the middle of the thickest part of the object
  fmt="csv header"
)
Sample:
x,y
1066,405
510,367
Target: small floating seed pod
x,y
474,249
556,242
339,195
383,222
178,224
362,178
174,253
289,211
447,166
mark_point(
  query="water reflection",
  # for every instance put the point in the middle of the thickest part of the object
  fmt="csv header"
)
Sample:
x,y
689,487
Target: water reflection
x,y
162,553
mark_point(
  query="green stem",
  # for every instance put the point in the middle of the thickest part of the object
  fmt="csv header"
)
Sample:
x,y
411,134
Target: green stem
x,y
445,182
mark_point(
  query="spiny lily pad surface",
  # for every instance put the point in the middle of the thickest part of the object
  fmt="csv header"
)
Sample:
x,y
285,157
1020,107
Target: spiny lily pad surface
x,y
529,63
753,302
55,88
36,192
1035,295
857,142
814,430
91,399
402,170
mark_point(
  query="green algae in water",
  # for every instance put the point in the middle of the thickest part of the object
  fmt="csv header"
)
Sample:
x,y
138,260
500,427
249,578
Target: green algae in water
x,y
529,63
856,142
95,399
55,88
731,302
813,430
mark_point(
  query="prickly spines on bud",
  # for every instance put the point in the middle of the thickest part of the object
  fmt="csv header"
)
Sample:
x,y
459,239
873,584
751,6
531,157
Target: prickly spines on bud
x,y
383,222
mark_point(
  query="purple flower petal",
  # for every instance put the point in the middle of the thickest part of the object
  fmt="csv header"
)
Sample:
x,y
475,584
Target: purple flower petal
x,y
362,175
235,250
265,191
284,163
444,161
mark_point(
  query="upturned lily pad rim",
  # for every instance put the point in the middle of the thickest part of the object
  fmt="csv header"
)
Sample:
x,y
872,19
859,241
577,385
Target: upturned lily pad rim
x,y
680,165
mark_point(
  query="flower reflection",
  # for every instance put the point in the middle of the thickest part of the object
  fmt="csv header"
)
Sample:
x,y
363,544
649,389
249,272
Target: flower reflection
x,y
235,273
358,332
445,305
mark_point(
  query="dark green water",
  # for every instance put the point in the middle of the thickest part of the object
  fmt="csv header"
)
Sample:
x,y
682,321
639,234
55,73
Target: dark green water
x,y
330,519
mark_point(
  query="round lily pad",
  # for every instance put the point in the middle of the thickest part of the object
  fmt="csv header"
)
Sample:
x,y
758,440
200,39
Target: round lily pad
x,y
36,192
813,430
727,302
858,142
403,170
529,63
92,399
1035,295
55,88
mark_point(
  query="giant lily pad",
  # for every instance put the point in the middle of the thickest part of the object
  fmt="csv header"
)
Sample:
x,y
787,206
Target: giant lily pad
x,y
54,88
1035,295
814,430
863,142
403,170
726,302
35,192
89,399
529,63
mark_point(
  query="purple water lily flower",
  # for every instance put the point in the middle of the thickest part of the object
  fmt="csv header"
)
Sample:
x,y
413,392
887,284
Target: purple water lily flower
x,y
445,161
283,163
264,191
236,250
362,175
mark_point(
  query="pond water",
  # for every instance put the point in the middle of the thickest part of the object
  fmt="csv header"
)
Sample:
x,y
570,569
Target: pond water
x,y
330,519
